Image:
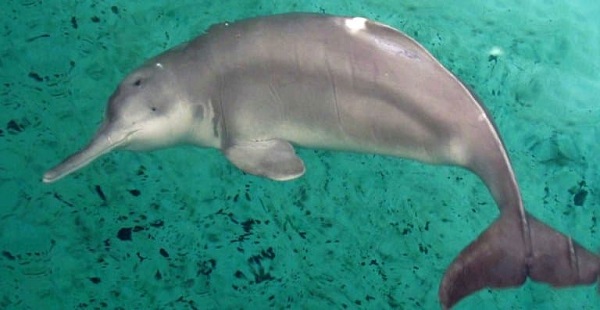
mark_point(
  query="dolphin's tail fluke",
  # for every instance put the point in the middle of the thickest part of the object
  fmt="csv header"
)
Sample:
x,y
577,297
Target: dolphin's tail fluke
x,y
499,258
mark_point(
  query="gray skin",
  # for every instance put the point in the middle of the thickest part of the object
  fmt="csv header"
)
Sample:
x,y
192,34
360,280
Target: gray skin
x,y
256,87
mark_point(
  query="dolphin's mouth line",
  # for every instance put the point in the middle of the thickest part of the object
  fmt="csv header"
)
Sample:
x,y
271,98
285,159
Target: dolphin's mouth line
x,y
123,140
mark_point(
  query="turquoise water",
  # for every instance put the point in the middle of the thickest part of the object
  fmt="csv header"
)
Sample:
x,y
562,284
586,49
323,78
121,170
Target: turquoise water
x,y
184,229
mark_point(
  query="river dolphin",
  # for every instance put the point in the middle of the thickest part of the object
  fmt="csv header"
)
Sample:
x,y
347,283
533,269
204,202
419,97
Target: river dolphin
x,y
255,87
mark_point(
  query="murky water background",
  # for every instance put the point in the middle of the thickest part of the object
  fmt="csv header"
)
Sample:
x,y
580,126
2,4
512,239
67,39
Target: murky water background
x,y
184,229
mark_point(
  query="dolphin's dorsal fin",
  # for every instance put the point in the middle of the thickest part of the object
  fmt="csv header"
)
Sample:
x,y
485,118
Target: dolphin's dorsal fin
x,y
274,159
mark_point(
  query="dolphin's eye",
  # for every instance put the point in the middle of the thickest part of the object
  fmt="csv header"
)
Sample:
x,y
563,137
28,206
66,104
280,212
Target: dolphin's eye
x,y
153,109
137,82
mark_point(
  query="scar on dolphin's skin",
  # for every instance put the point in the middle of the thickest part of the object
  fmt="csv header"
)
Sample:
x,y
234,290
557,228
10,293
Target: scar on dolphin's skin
x,y
256,87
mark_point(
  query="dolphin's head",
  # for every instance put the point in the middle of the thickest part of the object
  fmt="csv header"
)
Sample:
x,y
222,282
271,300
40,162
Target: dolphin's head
x,y
147,111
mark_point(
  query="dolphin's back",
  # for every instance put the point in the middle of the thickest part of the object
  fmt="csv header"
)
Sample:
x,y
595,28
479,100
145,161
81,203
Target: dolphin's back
x,y
374,88
359,86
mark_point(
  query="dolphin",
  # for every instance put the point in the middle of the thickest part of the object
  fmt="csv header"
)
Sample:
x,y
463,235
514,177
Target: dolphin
x,y
256,87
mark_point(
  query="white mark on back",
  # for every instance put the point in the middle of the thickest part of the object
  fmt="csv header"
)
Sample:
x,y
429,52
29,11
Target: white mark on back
x,y
355,24
159,65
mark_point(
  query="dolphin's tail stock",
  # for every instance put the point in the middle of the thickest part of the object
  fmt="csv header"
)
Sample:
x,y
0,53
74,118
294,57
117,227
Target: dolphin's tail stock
x,y
499,258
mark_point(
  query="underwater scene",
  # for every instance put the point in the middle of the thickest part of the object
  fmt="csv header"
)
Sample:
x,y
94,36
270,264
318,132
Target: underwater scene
x,y
185,228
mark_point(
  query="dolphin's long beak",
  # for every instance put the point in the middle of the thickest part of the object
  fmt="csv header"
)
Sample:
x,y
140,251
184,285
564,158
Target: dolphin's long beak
x,y
103,142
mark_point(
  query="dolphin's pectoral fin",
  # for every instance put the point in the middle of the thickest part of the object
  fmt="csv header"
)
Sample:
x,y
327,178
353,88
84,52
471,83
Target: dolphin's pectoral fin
x,y
498,258
274,159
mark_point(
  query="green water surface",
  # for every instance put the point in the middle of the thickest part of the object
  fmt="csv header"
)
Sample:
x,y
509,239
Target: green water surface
x,y
184,229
